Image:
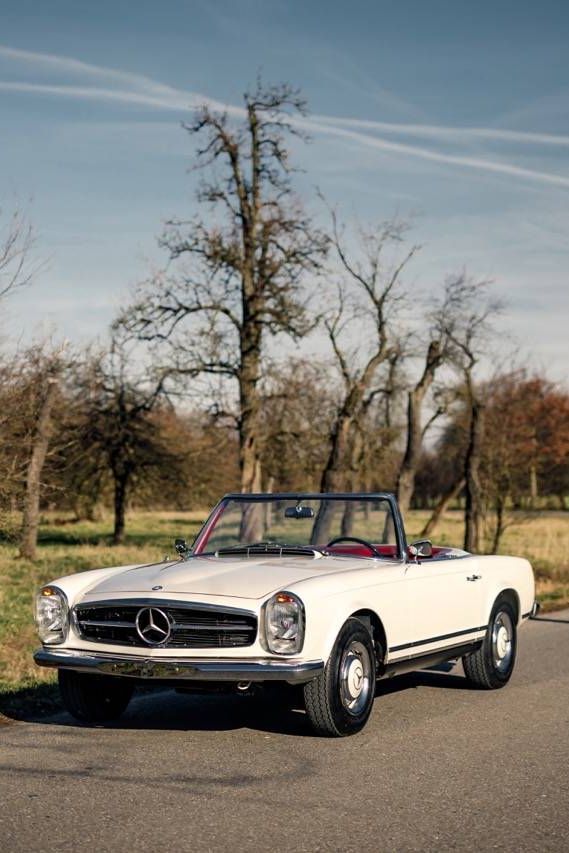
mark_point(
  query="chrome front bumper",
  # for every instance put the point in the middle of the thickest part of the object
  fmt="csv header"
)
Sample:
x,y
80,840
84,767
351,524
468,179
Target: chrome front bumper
x,y
182,669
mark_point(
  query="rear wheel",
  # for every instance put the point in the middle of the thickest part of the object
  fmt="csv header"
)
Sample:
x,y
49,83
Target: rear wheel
x,y
491,666
339,701
93,698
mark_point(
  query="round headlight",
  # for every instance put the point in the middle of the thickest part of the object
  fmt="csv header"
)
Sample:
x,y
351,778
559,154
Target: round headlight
x,y
51,615
284,624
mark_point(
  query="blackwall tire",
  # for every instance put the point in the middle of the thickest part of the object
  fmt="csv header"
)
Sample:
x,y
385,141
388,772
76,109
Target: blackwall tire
x,y
93,698
339,701
491,666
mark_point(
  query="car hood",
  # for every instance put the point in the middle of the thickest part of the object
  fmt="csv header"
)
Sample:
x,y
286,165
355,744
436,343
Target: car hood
x,y
218,576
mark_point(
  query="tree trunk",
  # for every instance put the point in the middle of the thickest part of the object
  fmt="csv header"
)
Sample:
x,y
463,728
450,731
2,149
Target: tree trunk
x,y
408,470
333,477
249,427
441,508
533,486
268,519
499,531
472,509
121,493
406,478
348,517
30,521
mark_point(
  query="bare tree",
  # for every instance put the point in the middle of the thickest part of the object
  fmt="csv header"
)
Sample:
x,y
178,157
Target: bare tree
x,y
466,314
369,295
416,430
114,426
232,283
36,389
16,242
298,403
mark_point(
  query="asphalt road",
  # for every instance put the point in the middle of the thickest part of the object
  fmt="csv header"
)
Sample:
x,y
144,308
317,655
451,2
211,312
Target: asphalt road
x,y
439,767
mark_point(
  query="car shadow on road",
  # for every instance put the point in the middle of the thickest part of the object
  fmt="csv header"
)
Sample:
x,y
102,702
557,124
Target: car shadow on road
x,y
437,677
168,710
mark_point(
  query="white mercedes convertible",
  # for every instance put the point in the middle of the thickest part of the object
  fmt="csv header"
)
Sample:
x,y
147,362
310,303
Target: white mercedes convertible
x,y
317,590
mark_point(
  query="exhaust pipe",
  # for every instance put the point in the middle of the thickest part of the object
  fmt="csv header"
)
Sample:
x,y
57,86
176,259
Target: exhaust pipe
x,y
243,686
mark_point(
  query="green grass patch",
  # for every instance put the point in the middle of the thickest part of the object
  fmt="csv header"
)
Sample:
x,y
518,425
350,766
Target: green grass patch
x,y
66,548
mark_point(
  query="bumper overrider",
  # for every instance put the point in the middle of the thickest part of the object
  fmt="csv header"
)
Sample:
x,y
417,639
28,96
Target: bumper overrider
x,y
182,669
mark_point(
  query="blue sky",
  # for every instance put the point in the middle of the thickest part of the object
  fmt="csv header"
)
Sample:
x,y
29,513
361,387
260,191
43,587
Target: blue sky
x,y
452,112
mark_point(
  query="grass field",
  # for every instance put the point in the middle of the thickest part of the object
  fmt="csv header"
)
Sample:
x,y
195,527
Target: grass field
x,y
67,547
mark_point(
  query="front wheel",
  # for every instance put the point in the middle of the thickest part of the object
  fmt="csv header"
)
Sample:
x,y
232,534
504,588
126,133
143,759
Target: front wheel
x,y
93,698
339,701
491,666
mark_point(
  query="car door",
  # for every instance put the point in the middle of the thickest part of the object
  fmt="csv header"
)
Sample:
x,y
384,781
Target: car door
x,y
445,603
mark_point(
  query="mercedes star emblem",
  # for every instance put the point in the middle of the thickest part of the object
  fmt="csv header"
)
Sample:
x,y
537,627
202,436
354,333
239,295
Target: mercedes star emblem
x,y
153,626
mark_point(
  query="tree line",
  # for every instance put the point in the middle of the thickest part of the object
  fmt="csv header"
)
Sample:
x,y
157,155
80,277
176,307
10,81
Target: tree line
x,y
203,388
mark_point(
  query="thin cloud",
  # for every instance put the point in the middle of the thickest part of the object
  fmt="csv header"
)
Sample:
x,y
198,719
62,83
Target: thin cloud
x,y
177,102
436,156
76,66
445,132
144,91
141,81
150,91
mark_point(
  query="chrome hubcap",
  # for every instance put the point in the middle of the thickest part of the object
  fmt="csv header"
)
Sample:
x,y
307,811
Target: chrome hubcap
x,y
502,645
355,677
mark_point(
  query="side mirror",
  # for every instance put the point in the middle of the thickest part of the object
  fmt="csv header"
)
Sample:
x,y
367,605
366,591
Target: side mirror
x,y
421,548
181,547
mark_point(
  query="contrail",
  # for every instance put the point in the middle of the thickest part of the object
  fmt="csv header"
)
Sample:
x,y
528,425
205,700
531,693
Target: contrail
x,y
448,132
174,99
64,63
436,156
145,91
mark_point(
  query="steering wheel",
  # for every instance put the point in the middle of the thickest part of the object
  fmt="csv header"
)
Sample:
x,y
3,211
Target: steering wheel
x,y
338,539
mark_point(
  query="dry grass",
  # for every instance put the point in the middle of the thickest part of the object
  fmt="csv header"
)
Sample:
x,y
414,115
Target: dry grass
x,y
543,538
66,548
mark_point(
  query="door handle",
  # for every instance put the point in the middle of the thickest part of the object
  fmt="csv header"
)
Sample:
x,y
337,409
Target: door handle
x,y
473,577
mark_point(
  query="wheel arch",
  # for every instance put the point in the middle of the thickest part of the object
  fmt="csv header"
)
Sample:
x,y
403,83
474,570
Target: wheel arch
x,y
511,596
371,619
330,621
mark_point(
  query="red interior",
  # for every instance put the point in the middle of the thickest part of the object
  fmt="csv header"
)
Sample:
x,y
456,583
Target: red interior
x,y
355,550
352,549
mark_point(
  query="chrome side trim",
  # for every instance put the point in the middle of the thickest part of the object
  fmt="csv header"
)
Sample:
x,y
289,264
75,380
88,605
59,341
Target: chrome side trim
x,y
182,669
438,639
412,663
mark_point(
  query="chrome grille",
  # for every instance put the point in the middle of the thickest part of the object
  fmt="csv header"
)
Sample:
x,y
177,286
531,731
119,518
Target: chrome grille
x,y
192,626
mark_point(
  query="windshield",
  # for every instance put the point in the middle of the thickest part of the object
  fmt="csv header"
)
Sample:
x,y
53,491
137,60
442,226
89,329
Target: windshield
x,y
311,523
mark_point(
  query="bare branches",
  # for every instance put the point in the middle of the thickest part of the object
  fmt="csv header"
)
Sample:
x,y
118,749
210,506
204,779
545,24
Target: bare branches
x,y
115,426
237,279
369,295
16,244
368,298
463,319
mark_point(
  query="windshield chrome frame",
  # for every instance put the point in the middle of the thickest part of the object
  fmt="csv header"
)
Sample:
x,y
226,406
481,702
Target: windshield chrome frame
x,y
201,539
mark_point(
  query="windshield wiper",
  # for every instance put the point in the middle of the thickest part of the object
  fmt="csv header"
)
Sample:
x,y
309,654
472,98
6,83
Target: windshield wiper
x,y
278,548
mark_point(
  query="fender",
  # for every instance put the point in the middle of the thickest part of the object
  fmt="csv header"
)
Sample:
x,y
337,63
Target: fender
x,y
336,612
514,573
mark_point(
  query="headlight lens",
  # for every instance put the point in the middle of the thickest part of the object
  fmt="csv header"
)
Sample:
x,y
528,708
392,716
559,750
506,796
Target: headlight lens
x,y
51,615
284,624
